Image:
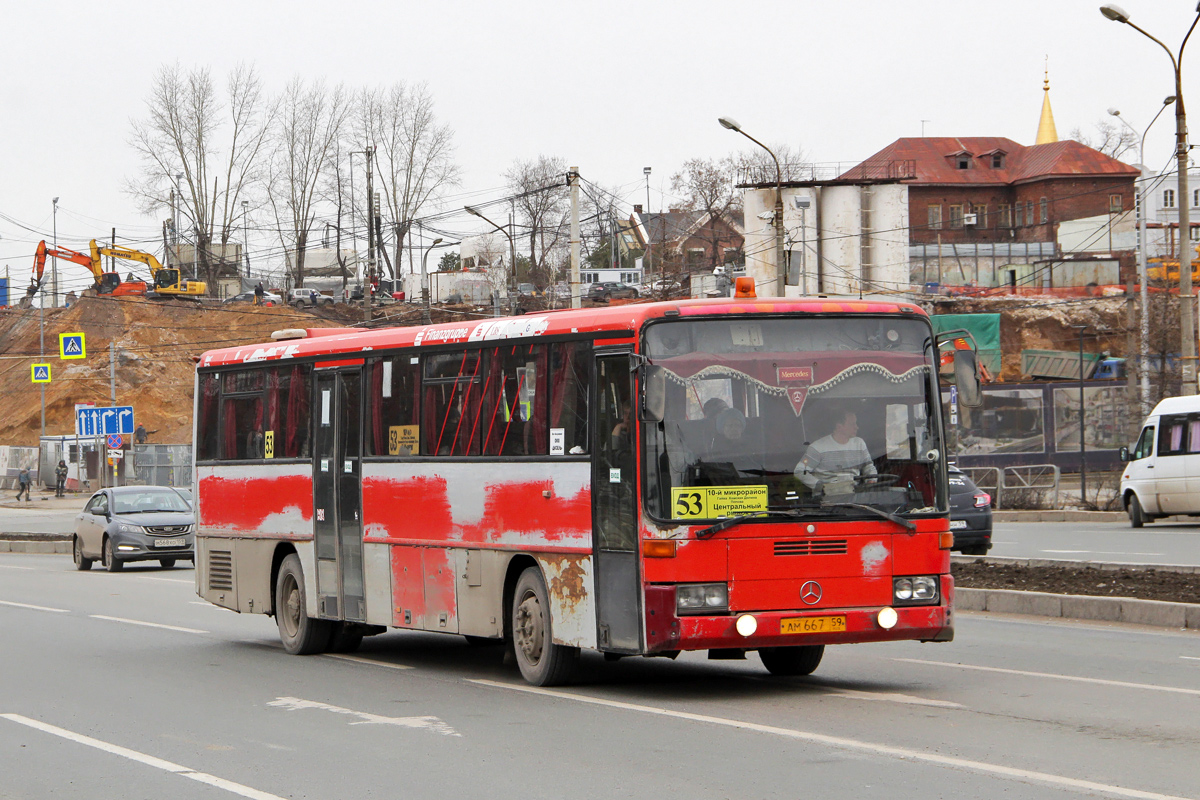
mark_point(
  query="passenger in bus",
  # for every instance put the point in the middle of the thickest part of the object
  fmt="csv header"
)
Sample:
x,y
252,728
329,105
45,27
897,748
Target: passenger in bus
x,y
833,463
622,432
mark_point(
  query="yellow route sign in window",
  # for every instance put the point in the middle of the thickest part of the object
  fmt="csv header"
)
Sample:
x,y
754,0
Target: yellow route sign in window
x,y
712,502
402,439
269,444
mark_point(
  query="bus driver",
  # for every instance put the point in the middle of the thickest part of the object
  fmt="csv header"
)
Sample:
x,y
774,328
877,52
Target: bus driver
x,y
831,463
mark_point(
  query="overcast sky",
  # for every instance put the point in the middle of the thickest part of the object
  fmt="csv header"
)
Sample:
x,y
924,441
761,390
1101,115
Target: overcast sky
x,y
610,87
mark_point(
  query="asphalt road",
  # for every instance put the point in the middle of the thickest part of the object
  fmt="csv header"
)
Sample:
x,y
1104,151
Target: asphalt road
x,y
1116,542
124,686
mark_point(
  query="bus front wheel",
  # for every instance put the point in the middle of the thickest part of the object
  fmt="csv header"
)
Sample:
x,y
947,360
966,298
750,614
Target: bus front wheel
x,y
542,662
792,660
301,634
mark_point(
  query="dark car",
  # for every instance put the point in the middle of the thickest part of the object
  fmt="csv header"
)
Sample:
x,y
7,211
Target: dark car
x,y
134,523
970,515
611,289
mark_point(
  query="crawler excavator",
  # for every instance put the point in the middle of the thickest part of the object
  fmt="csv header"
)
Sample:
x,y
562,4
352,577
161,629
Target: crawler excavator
x,y
106,282
168,282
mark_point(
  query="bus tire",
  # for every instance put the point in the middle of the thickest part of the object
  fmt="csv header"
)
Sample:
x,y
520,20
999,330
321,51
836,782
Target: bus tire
x,y
1137,517
792,660
301,634
542,662
345,638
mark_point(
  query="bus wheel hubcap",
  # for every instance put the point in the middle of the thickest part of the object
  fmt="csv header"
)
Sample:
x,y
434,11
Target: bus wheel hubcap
x,y
293,608
529,629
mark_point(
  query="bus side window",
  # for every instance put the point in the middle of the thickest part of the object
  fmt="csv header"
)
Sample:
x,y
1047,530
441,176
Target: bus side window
x,y
287,411
1172,437
515,408
393,400
569,374
453,390
208,423
242,415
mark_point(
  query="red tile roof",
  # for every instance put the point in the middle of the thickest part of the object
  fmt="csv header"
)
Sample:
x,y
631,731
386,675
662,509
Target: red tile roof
x,y
935,163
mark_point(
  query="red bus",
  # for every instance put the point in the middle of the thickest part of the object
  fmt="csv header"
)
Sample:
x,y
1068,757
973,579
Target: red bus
x,y
637,480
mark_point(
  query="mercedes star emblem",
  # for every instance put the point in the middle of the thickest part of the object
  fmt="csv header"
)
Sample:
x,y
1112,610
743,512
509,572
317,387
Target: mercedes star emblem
x,y
810,592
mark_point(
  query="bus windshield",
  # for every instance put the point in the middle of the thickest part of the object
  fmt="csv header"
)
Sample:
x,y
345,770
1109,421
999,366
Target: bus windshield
x,y
820,415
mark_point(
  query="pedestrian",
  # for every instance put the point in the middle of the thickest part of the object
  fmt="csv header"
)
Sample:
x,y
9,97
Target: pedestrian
x,y
258,294
312,296
23,481
60,478
139,435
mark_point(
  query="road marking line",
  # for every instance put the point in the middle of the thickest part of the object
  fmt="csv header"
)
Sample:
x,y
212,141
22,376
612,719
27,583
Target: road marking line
x,y
168,580
372,662
9,566
1076,678
35,608
429,723
1066,551
844,743
892,697
1191,658
147,624
142,758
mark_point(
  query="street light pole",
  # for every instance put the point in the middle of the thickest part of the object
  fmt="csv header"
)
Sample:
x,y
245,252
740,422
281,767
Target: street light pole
x,y
1082,428
54,265
647,267
425,279
1144,327
1187,323
512,249
780,267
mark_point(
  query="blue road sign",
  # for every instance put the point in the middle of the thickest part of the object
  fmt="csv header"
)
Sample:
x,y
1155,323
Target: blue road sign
x,y
40,373
104,421
114,441
71,345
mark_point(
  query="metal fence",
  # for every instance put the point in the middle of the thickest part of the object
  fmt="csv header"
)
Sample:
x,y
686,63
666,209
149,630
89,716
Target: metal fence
x,y
162,464
1005,483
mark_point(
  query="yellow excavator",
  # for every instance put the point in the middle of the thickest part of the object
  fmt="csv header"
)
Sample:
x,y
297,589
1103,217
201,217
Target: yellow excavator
x,y
168,282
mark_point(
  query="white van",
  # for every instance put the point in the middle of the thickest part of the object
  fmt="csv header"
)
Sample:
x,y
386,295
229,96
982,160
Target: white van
x,y
1162,472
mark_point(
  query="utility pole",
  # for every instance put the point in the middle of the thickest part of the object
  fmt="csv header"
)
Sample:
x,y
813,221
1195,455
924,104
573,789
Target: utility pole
x,y
576,287
370,239
54,264
112,372
112,260
647,266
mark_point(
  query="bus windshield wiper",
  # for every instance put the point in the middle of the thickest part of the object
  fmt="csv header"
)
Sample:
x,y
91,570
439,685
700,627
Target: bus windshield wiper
x,y
729,522
901,521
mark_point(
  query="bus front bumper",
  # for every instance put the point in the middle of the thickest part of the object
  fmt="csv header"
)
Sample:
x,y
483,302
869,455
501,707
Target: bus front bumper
x,y
667,631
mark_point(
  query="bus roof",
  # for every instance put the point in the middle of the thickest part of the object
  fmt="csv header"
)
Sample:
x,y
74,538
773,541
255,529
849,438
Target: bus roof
x,y
341,341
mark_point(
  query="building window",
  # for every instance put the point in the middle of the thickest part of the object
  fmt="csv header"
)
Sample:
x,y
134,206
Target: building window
x,y
696,257
1004,212
963,161
1029,213
980,213
1168,198
956,215
1043,211
997,161
1194,232
1116,204
1018,215
935,217
1195,198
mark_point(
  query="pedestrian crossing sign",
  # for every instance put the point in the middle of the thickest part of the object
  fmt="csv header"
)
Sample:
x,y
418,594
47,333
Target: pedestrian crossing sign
x,y
71,345
41,373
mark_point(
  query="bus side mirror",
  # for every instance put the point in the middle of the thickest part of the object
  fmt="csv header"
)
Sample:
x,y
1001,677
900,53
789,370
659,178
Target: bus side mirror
x,y
966,378
1123,454
654,393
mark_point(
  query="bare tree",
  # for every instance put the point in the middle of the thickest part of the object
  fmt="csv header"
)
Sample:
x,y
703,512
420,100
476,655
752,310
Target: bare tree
x,y
305,138
414,152
756,164
707,188
540,187
204,147
1112,140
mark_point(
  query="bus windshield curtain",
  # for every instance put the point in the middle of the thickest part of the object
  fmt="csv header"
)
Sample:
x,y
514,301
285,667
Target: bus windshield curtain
x,y
562,372
229,446
468,397
540,411
208,417
375,402
487,400
274,377
491,446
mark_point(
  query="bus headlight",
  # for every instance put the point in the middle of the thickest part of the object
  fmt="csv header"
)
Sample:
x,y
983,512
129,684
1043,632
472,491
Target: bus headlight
x,y
915,590
697,598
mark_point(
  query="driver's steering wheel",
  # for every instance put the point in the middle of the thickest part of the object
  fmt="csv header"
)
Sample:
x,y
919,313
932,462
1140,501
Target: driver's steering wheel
x,y
879,480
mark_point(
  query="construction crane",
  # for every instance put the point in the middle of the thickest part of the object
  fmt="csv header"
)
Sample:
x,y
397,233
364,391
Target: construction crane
x,y
106,282
167,280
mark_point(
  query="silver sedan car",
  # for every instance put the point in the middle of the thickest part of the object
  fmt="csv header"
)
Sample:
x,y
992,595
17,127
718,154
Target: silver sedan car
x,y
134,523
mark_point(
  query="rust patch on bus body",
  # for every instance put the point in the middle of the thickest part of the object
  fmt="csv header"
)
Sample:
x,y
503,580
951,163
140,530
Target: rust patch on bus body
x,y
566,587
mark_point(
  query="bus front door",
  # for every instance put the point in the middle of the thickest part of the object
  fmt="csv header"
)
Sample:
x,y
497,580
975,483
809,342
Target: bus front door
x,y
614,508
337,496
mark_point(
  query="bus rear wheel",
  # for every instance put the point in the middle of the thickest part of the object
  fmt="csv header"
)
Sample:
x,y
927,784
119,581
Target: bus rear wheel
x,y
301,634
542,662
792,660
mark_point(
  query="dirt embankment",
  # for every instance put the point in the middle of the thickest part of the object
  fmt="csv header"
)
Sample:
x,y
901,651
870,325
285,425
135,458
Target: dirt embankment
x,y
1144,584
1028,323
154,342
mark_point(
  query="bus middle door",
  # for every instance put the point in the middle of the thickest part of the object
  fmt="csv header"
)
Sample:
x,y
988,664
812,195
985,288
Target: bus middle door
x,y
337,495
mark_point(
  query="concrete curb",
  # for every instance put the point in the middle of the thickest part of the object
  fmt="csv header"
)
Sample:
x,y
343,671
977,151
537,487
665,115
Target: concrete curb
x,y
1155,613
1059,516
21,546
1107,566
